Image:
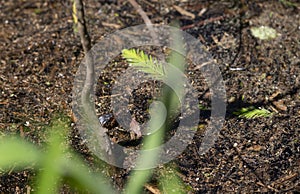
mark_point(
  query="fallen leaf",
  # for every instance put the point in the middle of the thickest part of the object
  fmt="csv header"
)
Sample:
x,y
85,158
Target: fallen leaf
x,y
135,127
263,32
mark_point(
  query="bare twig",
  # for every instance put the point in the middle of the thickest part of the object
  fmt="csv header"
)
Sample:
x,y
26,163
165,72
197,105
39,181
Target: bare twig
x,y
141,12
81,24
144,17
152,189
86,44
203,22
79,20
184,12
87,90
282,180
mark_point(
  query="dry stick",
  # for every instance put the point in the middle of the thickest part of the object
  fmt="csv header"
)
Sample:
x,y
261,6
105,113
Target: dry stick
x,y
86,44
82,29
141,12
90,74
152,189
210,20
145,18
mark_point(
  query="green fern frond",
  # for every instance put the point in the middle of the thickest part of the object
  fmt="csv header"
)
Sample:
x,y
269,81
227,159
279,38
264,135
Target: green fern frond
x,y
141,61
252,112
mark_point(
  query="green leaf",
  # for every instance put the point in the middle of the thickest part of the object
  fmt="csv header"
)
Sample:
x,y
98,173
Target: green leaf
x,y
49,178
148,159
17,152
141,61
78,174
252,112
170,182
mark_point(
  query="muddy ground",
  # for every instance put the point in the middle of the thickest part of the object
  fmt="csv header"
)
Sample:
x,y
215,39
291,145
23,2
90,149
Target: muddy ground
x,y
40,54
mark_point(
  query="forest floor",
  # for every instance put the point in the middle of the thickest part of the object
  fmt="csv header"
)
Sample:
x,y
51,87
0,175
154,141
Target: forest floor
x,y
40,54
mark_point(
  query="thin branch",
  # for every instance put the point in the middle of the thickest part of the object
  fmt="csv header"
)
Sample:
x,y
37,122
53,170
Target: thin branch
x,y
144,17
86,44
82,29
87,90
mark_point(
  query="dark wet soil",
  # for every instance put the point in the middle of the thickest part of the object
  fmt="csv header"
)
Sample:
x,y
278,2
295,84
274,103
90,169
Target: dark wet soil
x,y
40,54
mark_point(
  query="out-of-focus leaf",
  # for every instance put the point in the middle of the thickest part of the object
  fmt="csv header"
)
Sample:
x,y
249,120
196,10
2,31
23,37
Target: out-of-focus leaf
x,y
79,175
170,182
17,152
151,144
49,176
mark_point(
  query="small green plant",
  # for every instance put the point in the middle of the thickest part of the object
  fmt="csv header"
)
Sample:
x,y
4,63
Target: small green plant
x,y
143,62
252,112
149,65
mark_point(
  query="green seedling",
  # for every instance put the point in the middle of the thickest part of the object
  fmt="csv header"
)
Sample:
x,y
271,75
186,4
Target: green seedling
x,y
149,65
143,62
252,112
